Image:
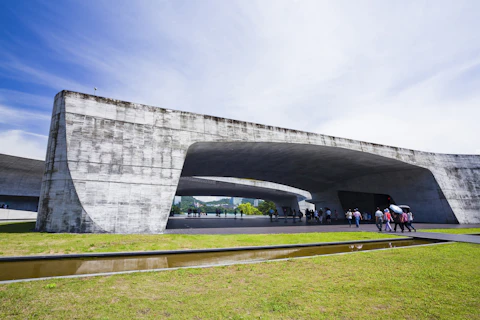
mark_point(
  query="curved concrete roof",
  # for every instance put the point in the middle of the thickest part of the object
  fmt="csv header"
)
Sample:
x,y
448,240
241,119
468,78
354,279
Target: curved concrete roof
x,y
20,176
309,167
234,187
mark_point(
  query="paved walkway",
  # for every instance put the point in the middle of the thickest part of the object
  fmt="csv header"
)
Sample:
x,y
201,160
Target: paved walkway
x,y
447,236
261,225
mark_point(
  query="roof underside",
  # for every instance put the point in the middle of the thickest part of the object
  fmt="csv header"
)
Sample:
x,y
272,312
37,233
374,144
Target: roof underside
x,y
308,167
193,186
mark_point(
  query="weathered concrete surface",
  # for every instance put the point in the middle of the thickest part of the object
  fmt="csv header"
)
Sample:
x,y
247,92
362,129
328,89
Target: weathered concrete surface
x,y
114,166
20,182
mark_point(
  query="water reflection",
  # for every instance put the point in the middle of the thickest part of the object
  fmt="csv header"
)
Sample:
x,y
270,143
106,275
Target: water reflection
x,y
64,267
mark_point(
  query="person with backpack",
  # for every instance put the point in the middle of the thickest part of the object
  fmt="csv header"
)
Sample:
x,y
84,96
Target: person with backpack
x,y
387,218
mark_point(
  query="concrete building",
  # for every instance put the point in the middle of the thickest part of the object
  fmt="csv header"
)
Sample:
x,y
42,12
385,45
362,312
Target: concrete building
x,y
234,201
20,181
114,166
177,200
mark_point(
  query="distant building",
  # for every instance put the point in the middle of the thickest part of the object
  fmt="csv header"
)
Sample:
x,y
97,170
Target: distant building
x,y
235,201
255,203
177,200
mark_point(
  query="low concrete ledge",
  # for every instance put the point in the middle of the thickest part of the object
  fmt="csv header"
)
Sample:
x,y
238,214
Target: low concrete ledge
x,y
173,252
11,214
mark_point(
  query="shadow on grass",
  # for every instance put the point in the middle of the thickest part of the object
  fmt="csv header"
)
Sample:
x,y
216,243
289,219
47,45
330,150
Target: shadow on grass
x,y
17,227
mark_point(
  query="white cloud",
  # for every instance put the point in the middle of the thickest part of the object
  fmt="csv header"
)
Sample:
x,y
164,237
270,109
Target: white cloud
x,y
11,115
23,144
354,69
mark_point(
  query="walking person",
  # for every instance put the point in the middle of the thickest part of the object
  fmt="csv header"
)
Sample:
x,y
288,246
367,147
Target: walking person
x,y
294,214
270,213
308,216
358,217
410,219
379,219
285,214
397,220
349,216
315,215
276,215
387,218
404,222
241,214
328,213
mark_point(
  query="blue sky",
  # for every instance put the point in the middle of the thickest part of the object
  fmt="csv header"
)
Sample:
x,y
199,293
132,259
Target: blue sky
x,y
402,73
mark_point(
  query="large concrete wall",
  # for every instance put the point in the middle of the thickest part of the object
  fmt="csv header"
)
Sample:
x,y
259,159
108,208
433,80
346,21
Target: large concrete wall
x,y
114,166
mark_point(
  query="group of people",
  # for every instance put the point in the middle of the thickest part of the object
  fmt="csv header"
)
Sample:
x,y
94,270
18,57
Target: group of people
x,y
350,215
317,215
195,212
404,220
312,216
274,214
3,206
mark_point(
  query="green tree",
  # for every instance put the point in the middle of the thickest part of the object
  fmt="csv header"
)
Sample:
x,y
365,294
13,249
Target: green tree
x,y
176,209
265,206
247,208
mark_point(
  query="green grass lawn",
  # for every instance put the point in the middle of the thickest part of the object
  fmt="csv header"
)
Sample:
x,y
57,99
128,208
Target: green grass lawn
x,y
453,231
18,239
432,282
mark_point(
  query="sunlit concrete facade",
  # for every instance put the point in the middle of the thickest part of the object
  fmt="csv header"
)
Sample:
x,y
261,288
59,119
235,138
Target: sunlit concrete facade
x,y
114,166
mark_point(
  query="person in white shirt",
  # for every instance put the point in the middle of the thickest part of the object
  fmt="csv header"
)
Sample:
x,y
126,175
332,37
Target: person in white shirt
x,y
349,215
379,219
410,219
358,217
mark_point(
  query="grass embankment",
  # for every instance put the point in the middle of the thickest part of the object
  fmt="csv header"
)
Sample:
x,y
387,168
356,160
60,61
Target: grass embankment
x,y
453,231
434,282
17,239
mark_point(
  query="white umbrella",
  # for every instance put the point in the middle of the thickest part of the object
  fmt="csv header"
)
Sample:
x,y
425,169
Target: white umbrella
x,y
396,209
